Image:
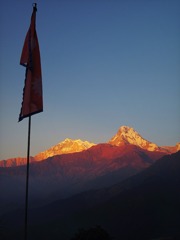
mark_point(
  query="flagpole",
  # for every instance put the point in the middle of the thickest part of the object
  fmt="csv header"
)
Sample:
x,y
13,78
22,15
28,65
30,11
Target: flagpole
x,y
27,179
32,102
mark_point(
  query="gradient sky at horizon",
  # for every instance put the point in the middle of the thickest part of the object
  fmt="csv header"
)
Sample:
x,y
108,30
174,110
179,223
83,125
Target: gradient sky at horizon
x,y
105,64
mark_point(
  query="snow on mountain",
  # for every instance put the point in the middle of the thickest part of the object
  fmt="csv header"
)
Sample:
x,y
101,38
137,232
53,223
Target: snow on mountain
x,y
173,149
127,135
65,147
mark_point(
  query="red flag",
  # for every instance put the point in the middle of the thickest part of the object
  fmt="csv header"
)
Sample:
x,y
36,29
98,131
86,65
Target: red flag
x,y
30,58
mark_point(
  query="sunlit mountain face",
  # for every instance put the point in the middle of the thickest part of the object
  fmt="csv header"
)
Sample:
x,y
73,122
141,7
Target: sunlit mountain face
x,y
62,175
143,206
65,147
14,162
172,149
127,135
124,136
74,166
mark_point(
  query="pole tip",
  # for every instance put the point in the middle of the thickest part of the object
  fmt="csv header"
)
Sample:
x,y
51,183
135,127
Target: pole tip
x,y
35,6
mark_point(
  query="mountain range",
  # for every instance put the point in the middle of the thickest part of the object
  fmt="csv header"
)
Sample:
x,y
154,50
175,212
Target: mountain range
x,y
144,206
76,179
75,165
125,136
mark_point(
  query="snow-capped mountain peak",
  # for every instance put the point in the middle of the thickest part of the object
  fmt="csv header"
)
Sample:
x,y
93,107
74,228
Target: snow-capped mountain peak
x,y
64,147
127,135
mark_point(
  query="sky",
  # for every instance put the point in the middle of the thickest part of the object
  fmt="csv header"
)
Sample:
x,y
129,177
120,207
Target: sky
x,y
104,64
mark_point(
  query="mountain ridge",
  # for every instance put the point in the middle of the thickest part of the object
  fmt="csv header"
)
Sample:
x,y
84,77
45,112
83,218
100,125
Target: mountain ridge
x,y
64,147
144,206
124,136
127,135
63,175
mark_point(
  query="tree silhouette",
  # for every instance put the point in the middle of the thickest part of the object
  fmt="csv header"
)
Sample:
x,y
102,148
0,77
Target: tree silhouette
x,y
95,233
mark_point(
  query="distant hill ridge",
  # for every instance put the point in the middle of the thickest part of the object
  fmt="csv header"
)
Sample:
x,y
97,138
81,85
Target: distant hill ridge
x,y
143,206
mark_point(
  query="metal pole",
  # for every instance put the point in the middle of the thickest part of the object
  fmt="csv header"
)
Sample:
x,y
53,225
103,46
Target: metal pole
x,y
27,180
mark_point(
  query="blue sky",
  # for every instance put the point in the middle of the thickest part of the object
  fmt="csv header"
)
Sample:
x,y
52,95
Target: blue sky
x,y
105,64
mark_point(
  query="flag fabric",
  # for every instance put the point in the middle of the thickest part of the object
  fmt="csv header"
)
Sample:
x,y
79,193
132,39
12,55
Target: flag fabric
x,y
32,102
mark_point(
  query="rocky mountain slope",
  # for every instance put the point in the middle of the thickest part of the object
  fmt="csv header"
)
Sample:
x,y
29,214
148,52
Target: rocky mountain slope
x,y
14,162
124,136
173,149
63,175
64,147
145,206
127,135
